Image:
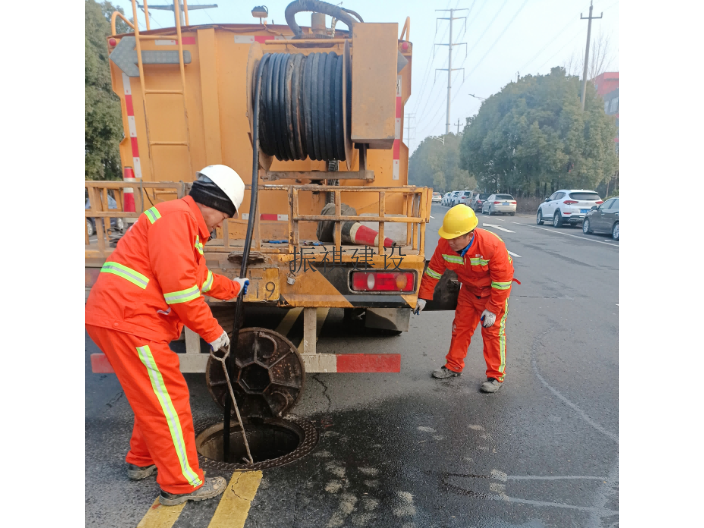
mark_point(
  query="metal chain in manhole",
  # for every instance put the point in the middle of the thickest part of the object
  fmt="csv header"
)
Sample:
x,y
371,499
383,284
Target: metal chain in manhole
x,y
266,436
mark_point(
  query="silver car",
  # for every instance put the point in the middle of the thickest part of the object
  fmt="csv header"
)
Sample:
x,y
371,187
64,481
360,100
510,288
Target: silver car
x,y
499,203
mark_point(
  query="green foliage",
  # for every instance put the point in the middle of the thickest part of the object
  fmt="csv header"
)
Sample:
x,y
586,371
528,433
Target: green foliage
x,y
435,163
533,133
103,120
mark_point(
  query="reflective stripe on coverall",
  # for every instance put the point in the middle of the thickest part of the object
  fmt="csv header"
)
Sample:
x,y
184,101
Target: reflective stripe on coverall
x,y
485,273
148,288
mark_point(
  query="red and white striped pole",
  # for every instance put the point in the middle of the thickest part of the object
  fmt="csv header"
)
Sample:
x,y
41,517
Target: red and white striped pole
x,y
129,191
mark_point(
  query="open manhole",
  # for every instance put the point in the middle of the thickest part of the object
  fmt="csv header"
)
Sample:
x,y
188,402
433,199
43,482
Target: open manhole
x,y
268,379
272,441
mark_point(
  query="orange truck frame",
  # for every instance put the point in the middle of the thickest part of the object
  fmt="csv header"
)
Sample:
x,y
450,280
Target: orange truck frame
x,y
189,108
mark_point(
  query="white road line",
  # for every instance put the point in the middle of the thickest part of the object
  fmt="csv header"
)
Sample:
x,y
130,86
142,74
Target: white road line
x,y
567,234
432,217
498,227
512,253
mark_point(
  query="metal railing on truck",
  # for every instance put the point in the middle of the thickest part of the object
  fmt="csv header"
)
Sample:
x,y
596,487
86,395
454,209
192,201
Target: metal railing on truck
x,y
415,214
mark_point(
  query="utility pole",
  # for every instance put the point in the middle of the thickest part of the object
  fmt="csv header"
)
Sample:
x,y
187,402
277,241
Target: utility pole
x,y
180,7
408,129
586,53
458,126
450,45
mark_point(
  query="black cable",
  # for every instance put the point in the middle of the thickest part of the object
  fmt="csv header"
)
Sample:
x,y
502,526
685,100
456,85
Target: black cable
x,y
302,107
239,307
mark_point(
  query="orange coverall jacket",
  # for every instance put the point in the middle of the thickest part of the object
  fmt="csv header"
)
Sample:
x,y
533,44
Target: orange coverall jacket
x,y
151,285
486,270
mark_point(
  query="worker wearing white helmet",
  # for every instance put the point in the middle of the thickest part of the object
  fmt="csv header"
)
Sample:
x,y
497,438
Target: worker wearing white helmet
x,y
148,289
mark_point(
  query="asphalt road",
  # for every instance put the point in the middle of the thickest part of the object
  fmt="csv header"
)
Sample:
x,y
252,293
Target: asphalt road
x,y
405,450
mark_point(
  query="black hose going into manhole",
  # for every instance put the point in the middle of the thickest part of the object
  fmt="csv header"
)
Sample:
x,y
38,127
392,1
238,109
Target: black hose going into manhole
x,y
300,106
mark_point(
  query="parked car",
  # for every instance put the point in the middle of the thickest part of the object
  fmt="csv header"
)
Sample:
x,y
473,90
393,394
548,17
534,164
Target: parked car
x,y
437,197
602,218
450,200
477,200
445,197
116,224
499,203
567,207
463,197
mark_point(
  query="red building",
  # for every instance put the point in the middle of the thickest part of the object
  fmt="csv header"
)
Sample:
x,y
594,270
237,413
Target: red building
x,y
606,82
606,86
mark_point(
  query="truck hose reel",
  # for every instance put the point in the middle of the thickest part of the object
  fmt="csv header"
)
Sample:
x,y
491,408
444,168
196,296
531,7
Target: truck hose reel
x,y
301,106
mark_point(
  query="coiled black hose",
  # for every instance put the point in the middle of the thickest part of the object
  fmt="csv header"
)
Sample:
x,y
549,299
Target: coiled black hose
x,y
300,106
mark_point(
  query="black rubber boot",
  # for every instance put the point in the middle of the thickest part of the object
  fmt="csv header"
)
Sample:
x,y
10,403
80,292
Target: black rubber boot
x,y
139,473
212,487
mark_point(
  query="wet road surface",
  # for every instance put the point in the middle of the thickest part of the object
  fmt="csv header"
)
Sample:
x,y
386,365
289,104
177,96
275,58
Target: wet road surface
x,y
405,450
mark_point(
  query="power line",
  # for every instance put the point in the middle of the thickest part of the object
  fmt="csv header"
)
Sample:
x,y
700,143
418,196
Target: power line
x,y
586,51
408,130
490,48
427,66
499,37
489,25
423,111
525,66
574,37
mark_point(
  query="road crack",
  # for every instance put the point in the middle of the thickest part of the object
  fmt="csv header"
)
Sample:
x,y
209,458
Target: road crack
x,y
325,391
115,399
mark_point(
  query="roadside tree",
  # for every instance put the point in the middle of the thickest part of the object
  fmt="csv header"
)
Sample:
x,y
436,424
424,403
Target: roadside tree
x,y
532,136
103,120
435,163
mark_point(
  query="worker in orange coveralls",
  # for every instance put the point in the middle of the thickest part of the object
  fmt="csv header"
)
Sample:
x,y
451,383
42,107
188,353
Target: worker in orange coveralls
x,y
149,287
485,271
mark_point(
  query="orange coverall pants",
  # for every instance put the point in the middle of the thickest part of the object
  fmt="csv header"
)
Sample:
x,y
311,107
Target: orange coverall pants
x,y
163,431
469,310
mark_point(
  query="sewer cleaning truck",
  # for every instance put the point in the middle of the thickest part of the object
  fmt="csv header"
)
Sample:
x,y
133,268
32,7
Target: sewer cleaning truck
x,y
334,224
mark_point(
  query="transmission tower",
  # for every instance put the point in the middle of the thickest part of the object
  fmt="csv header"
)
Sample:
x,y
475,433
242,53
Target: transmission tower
x,y
408,129
449,69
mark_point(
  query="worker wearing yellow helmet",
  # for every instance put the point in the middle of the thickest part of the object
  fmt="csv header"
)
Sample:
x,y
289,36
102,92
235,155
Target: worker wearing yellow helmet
x,y
485,271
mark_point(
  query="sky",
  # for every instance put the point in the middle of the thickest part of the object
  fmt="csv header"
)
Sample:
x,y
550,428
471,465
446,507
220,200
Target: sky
x,y
504,38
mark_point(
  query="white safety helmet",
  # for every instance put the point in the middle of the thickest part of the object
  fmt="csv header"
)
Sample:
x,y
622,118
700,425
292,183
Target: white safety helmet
x,y
228,180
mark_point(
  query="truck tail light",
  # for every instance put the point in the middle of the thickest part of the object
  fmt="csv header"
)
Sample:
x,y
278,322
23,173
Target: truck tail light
x,y
570,202
403,281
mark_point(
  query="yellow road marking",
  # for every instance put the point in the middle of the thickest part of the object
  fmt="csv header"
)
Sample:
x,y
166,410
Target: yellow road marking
x,y
160,516
287,322
234,505
320,315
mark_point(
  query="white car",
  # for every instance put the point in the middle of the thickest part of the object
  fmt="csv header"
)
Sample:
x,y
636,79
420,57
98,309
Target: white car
x,y
450,199
437,197
499,203
463,197
567,207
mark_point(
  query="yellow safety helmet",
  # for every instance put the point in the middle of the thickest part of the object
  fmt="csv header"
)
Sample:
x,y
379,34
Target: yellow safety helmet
x,y
458,221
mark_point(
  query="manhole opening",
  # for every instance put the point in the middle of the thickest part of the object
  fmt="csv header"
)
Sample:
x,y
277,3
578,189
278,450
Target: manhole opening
x,y
269,439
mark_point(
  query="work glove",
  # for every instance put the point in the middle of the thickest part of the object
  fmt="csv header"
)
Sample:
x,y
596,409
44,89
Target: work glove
x,y
222,342
488,318
419,306
243,285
